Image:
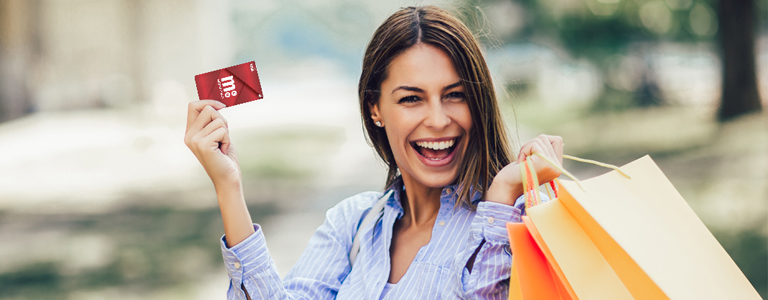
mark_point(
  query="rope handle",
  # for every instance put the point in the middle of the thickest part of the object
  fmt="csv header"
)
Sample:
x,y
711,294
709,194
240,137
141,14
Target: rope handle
x,y
531,182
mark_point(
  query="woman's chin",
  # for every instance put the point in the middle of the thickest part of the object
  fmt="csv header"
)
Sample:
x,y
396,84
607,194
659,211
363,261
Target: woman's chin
x,y
436,179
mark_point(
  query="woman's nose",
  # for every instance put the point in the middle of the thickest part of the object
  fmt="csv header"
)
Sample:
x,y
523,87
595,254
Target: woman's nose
x,y
437,117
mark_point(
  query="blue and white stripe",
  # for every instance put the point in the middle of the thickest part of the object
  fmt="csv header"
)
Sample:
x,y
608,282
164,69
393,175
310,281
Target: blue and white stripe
x,y
437,272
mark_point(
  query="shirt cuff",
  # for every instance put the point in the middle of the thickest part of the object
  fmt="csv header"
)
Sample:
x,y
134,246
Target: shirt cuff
x,y
248,257
494,217
520,202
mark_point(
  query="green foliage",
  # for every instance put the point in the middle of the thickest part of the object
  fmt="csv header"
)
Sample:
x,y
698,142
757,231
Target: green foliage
x,y
749,250
155,248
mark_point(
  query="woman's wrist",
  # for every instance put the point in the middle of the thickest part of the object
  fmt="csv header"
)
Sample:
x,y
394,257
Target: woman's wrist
x,y
226,180
228,190
505,195
238,224
506,187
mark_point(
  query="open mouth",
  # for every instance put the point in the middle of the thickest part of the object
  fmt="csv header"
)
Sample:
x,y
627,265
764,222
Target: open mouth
x,y
435,151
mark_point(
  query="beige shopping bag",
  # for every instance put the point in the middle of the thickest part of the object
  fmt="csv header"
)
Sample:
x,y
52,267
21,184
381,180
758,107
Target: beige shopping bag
x,y
622,238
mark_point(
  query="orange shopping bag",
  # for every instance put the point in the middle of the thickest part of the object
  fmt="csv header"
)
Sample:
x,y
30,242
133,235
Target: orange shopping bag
x,y
633,236
540,279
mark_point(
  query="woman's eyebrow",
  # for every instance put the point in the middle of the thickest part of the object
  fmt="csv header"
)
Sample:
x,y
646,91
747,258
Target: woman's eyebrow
x,y
418,90
408,88
453,85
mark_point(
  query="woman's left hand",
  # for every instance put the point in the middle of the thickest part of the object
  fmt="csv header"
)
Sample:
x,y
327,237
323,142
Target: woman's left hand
x,y
507,186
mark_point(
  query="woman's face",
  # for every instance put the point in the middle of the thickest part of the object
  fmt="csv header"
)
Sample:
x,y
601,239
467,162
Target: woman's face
x,y
424,111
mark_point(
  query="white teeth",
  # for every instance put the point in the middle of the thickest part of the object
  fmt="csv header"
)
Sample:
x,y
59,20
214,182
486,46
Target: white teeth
x,y
436,145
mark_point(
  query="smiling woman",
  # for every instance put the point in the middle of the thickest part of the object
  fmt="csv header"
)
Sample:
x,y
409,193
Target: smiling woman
x,y
425,111
438,230
445,47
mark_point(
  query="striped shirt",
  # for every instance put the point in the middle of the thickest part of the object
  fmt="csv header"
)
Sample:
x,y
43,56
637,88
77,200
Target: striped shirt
x,y
437,272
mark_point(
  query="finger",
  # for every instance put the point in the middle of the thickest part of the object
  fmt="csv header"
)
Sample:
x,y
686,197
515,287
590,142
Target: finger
x,y
538,163
545,147
213,125
195,107
225,143
524,152
557,145
553,147
216,124
217,115
207,115
196,138
544,170
528,149
538,147
552,153
203,118
218,139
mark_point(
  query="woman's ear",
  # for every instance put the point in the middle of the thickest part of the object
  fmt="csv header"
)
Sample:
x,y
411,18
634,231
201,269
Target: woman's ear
x,y
375,115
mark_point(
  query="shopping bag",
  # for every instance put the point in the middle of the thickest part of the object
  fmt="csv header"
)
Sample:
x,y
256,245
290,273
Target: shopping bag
x,y
540,280
615,237
585,268
541,277
515,293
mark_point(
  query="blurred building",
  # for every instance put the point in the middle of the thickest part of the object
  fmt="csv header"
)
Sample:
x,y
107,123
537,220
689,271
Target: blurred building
x,y
58,55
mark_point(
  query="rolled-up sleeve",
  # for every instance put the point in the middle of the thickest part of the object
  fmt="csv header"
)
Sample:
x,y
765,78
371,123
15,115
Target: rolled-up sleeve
x,y
489,278
491,220
320,270
250,259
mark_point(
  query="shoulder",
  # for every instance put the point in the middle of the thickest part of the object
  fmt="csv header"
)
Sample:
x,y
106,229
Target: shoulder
x,y
343,219
353,208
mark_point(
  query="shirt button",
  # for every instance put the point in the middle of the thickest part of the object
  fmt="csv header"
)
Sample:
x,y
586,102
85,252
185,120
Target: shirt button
x,y
236,265
448,191
491,220
442,223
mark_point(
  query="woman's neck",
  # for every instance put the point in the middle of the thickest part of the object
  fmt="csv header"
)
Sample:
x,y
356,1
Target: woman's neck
x,y
420,203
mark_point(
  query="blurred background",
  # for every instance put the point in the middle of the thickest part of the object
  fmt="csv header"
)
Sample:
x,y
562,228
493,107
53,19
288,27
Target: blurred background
x,y
100,198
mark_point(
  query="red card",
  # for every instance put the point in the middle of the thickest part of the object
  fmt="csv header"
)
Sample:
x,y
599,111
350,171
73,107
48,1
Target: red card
x,y
232,86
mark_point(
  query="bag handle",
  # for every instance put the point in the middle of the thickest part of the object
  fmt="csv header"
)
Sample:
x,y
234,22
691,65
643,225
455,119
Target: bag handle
x,y
531,182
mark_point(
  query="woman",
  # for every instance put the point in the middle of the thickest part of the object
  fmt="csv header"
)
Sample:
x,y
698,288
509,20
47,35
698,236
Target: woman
x,y
429,109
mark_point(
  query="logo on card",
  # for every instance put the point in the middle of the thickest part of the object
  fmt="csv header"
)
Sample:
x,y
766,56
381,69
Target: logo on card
x,y
227,87
236,85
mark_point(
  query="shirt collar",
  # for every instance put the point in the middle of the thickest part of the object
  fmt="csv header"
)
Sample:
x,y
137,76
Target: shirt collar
x,y
448,195
394,200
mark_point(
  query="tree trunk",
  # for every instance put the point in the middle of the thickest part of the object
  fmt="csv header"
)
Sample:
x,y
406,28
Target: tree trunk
x,y
737,44
19,45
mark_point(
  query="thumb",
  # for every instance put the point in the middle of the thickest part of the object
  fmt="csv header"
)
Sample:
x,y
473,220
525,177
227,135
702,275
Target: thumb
x,y
225,143
232,153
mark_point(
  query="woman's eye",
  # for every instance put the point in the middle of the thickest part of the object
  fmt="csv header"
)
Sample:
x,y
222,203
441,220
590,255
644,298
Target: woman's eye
x,y
408,99
457,95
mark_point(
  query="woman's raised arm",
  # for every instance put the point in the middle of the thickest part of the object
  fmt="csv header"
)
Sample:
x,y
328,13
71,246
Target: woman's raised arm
x,y
207,136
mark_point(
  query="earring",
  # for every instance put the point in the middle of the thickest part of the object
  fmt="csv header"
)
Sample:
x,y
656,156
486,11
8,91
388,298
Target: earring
x,y
378,123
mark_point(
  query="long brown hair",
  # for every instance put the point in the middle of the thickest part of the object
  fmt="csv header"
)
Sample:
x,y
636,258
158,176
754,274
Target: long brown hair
x,y
488,149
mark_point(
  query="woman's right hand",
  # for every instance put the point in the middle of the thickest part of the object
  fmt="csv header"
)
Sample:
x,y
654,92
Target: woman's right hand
x,y
207,136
